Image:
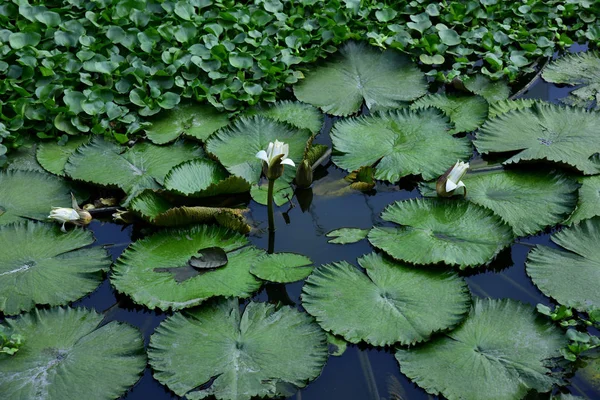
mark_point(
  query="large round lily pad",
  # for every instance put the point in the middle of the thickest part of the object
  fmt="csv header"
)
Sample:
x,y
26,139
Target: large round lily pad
x,y
401,142
236,146
501,352
454,232
300,115
217,350
203,178
467,113
53,156
69,353
154,271
39,264
545,132
391,303
361,73
588,202
30,195
570,275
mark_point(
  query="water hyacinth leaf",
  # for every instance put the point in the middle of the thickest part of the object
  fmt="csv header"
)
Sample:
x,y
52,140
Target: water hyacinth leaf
x,y
361,73
260,352
282,267
31,195
402,143
195,120
588,203
347,235
431,231
527,201
504,106
39,264
299,115
140,274
236,146
53,156
143,166
391,303
570,275
70,351
577,69
467,113
282,192
545,132
501,352
492,91
203,178
159,211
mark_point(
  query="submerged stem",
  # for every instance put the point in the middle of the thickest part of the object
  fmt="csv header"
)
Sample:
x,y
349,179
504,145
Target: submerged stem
x,y
270,205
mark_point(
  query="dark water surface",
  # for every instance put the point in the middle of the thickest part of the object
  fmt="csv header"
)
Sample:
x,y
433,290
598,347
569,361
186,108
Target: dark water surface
x,y
362,372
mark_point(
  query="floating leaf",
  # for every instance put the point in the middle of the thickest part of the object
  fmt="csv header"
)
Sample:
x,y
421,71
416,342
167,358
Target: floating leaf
x,y
588,203
41,265
390,303
504,106
361,73
492,91
527,201
282,267
545,132
53,156
467,113
577,69
282,192
69,352
203,178
195,120
135,272
299,115
159,211
236,146
131,169
31,195
570,275
401,143
23,159
210,258
454,232
347,235
337,345
262,352
362,179
500,352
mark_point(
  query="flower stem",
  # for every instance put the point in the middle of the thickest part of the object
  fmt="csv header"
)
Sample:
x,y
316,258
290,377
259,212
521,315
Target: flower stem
x,y
270,205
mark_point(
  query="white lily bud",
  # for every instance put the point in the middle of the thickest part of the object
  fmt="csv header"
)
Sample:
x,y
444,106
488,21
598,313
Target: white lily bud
x,y
451,180
274,158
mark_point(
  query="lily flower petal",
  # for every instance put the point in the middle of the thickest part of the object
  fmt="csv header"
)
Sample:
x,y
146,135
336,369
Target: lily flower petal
x,y
263,156
288,161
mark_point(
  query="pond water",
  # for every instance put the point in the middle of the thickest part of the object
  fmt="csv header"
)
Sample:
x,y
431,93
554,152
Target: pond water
x,y
362,372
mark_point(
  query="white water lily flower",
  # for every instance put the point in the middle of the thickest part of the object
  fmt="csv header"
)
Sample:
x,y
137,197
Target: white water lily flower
x,y
274,158
75,215
456,174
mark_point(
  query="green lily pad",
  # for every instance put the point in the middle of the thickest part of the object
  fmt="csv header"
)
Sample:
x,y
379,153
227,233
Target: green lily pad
x,y
260,352
203,178
467,113
391,303
545,132
588,203
159,211
347,235
401,142
135,272
299,115
282,192
143,166
492,91
53,157
571,274
69,352
39,264
31,195
236,146
454,232
360,73
282,267
577,69
527,201
500,352
194,120
504,106
23,159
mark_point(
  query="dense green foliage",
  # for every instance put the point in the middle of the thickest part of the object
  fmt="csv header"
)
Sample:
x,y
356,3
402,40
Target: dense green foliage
x,y
104,66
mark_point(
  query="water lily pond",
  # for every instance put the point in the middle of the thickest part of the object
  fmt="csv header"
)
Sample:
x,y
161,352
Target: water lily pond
x,y
427,241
